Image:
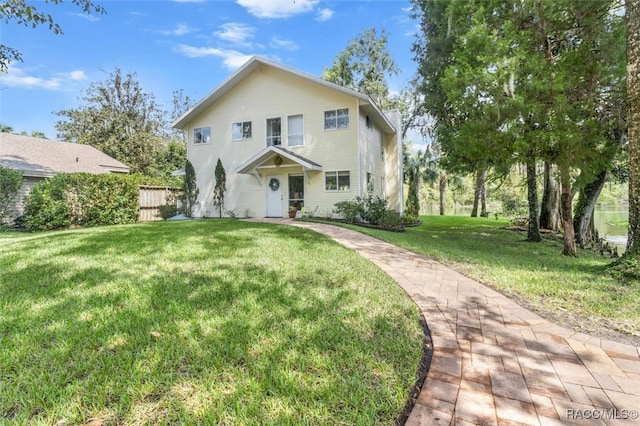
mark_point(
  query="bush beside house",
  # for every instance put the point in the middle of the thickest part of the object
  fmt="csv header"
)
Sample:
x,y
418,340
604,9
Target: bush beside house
x,y
83,199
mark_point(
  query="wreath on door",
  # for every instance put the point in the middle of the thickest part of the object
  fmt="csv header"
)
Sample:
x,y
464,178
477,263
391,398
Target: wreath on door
x,y
274,184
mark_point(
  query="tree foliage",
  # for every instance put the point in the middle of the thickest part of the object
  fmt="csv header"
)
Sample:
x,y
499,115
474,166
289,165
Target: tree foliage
x,y
27,14
364,66
190,189
10,184
120,119
220,187
522,82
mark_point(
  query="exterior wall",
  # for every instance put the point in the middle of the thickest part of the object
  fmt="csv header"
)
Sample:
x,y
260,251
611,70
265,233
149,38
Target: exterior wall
x,y
269,93
393,164
371,158
18,210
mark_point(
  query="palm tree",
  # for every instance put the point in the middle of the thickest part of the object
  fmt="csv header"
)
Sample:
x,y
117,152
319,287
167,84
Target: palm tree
x,y
5,128
418,167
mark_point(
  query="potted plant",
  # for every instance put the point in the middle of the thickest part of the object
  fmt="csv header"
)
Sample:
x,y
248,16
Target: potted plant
x,y
292,211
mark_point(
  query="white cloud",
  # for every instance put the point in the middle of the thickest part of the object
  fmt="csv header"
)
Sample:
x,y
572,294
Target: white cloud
x,y
232,59
324,15
90,18
275,9
77,75
279,43
15,77
236,33
179,30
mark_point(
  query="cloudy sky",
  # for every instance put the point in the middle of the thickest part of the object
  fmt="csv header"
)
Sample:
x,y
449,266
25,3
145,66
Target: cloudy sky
x,y
191,45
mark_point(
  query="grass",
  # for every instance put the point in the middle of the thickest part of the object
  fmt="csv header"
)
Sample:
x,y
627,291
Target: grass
x,y
200,322
533,272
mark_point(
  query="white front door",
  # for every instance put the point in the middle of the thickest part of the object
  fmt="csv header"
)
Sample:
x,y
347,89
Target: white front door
x,y
274,196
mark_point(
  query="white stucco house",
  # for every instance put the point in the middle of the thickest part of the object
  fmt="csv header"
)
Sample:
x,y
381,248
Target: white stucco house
x,y
286,138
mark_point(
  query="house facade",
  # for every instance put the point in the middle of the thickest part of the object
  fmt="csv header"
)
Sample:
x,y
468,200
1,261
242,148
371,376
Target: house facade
x,y
39,159
286,138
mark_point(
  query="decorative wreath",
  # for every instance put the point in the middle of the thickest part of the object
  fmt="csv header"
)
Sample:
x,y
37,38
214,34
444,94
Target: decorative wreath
x,y
277,161
274,184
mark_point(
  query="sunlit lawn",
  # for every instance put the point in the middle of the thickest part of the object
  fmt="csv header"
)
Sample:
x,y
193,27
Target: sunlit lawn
x,y
535,272
200,322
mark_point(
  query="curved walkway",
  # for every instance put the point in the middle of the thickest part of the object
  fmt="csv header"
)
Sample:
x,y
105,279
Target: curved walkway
x,y
496,363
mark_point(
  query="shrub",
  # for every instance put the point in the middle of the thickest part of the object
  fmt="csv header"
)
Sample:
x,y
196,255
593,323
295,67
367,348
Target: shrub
x,y
10,184
349,210
391,220
167,211
372,209
83,199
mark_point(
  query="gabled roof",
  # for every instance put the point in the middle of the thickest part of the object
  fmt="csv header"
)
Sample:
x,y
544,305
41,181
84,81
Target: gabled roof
x,y
269,153
44,157
255,63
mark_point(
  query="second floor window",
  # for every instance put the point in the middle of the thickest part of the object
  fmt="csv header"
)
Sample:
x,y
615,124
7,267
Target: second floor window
x,y
336,119
201,135
295,130
274,134
241,130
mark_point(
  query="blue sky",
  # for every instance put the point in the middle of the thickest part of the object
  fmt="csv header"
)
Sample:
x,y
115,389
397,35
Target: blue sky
x,y
183,44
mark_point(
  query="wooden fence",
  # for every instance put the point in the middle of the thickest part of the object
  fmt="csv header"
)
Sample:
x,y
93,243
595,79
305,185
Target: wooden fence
x,y
151,198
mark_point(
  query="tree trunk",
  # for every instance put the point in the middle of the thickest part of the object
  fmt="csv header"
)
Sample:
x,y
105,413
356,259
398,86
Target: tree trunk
x,y
633,113
443,187
566,213
550,208
479,194
533,230
584,208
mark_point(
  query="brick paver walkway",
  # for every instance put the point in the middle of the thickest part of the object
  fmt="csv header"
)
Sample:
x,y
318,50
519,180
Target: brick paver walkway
x,y
496,363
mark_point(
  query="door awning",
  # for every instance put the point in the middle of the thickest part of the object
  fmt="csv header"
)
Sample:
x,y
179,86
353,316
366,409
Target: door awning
x,y
275,157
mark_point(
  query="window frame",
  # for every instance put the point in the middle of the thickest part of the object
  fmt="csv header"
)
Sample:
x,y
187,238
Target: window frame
x,y
269,139
337,174
242,124
202,141
300,135
336,119
370,182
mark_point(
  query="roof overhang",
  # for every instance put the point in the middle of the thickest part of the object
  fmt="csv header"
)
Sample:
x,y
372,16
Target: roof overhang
x,y
266,159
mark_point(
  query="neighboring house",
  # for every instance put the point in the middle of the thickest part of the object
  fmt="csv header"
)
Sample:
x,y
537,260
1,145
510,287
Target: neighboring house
x,y
286,138
42,158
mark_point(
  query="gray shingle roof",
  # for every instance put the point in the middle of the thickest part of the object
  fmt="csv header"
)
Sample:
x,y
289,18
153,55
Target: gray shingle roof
x,y
44,157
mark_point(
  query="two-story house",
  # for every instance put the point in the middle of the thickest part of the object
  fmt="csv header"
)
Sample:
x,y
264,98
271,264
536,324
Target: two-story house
x,y
286,138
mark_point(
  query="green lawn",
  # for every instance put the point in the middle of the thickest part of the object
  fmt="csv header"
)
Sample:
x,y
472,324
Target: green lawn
x,y
535,272
200,322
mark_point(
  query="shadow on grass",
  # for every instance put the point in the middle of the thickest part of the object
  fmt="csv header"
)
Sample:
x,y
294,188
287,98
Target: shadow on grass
x,y
129,325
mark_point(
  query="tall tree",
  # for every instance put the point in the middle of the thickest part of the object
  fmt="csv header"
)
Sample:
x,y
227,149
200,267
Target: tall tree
x,y
633,105
418,167
364,66
27,14
220,187
120,119
190,189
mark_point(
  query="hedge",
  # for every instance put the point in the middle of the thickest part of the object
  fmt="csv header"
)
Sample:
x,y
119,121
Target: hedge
x,y
83,199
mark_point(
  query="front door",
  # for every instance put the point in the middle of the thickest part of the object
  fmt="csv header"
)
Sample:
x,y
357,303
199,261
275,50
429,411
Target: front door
x,y
274,196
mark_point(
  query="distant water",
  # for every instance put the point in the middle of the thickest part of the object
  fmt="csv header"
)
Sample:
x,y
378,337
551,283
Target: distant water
x,y
606,219
607,222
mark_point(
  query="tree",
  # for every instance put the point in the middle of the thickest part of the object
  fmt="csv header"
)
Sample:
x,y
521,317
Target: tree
x,y
10,184
364,65
190,189
521,82
633,105
220,187
120,119
5,128
418,167
26,13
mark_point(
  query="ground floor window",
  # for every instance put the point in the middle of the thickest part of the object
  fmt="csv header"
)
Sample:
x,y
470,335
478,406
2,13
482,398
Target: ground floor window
x,y
296,191
337,181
